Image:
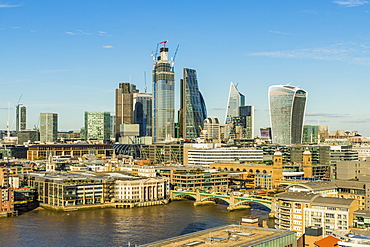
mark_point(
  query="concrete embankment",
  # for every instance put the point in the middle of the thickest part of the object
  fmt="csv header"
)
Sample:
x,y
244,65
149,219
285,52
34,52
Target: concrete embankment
x,y
105,205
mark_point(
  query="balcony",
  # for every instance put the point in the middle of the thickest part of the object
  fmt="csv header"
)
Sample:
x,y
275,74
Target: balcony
x,y
284,207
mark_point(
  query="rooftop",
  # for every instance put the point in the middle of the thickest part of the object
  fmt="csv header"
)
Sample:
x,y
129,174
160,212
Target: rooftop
x,y
230,235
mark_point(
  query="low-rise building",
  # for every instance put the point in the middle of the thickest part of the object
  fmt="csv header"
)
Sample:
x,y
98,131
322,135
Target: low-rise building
x,y
297,210
60,189
232,235
196,179
159,153
75,150
6,202
141,190
203,156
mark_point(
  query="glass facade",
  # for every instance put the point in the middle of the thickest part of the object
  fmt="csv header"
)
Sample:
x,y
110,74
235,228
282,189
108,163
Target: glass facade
x,y
246,113
235,100
20,118
97,125
48,127
287,109
143,112
163,98
310,134
193,108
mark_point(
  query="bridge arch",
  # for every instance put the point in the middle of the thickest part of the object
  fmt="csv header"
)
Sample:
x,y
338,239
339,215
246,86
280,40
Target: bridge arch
x,y
184,195
215,197
257,202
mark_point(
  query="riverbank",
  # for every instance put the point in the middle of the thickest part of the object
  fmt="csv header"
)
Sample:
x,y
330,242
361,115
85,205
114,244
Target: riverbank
x,y
105,205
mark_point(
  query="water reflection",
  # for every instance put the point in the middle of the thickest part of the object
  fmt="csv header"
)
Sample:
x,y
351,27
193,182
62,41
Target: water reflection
x,y
115,227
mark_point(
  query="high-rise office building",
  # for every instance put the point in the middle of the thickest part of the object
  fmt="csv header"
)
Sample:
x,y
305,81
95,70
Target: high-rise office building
x,y
97,125
124,105
236,99
311,134
143,112
112,127
163,97
192,106
48,127
211,130
287,109
246,113
20,117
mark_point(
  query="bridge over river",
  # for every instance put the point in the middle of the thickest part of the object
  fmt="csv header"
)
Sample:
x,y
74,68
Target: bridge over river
x,y
235,202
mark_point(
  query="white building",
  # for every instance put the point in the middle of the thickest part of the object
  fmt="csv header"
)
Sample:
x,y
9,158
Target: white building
x,y
205,156
141,190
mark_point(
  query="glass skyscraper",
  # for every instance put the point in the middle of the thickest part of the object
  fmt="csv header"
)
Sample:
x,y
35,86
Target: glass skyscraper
x,y
192,106
20,117
48,127
163,97
287,110
143,112
235,100
97,125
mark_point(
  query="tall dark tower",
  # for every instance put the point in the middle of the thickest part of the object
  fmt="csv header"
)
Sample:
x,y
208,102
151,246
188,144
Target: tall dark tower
x,y
192,106
124,105
163,96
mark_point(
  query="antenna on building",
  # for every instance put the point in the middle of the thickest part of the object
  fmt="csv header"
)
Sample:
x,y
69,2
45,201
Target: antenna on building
x,y
145,88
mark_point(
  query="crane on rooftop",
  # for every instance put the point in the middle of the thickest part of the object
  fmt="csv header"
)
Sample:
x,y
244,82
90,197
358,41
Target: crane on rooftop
x,y
163,42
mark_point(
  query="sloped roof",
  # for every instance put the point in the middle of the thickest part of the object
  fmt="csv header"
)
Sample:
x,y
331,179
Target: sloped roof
x,y
328,241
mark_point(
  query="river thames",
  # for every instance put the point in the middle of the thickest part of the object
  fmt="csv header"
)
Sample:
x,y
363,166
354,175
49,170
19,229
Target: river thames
x,y
115,227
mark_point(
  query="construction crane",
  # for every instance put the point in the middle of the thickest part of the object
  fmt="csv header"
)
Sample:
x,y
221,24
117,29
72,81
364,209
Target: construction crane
x,y
173,59
20,99
163,42
145,88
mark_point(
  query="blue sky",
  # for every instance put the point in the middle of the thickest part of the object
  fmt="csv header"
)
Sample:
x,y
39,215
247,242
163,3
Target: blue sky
x,y
68,56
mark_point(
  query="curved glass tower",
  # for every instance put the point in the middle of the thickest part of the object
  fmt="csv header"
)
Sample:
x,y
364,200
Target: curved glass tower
x,y
287,110
192,106
163,97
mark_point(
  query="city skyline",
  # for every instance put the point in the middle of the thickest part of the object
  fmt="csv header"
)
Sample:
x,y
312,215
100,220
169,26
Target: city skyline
x,y
68,63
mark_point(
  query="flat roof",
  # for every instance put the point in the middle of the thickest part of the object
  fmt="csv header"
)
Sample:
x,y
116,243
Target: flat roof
x,y
225,236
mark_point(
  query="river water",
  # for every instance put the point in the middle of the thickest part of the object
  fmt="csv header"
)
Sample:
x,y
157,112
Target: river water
x,y
115,227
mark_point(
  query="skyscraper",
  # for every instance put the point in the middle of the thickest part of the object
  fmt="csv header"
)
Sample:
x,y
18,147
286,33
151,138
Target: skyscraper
x,y
48,127
287,109
124,105
248,113
163,97
97,125
143,112
212,129
20,118
243,125
192,106
235,100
